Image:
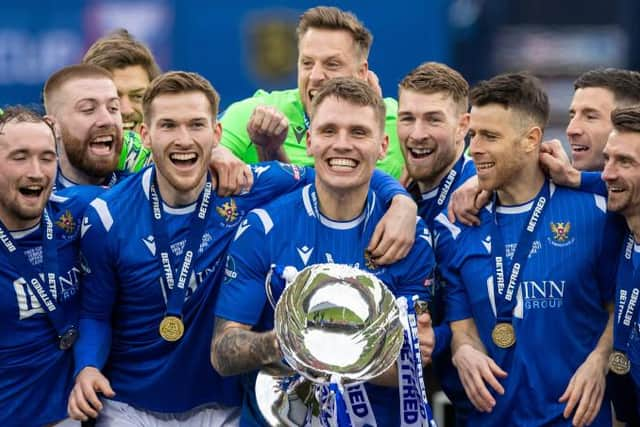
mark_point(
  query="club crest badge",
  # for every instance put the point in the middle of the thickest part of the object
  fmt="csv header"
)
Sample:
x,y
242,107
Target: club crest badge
x,y
66,222
228,211
560,231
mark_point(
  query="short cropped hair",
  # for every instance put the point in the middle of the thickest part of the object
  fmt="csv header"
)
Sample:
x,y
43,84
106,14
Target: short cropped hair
x,y
332,18
434,77
120,49
624,84
626,119
521,92
71,72
177,82
21,114
354,91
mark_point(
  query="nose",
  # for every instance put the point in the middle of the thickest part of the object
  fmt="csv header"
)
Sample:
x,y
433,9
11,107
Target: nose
x,y
105,118
317,73
574,128
419,131
609,173
35,171
126,107
475,147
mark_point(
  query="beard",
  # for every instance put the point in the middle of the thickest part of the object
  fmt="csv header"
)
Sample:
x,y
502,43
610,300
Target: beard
x,y
80,158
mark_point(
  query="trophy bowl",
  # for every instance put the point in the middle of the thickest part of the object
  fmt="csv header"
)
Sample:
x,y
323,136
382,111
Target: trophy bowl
x,y
338,321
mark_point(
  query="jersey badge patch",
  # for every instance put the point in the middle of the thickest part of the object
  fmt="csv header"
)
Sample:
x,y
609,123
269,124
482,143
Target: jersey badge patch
x,y
560,232
66,222
228,211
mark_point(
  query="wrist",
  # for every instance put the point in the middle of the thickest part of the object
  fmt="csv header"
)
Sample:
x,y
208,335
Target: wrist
x,y
574,177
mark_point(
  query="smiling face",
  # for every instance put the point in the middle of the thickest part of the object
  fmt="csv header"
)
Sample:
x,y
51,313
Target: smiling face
x,y
87,115
622,172
589,126
325,54
431,132
28,156
496,146
181,134
131,83
346,141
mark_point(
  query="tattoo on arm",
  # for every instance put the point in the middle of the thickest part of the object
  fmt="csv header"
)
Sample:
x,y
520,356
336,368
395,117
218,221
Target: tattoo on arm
x,y
235,350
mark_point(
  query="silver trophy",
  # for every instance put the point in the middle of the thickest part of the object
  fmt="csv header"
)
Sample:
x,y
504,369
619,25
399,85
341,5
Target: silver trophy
x,y
333,323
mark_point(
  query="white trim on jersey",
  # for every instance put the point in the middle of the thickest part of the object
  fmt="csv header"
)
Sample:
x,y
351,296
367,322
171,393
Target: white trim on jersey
x,y
265,218
103,212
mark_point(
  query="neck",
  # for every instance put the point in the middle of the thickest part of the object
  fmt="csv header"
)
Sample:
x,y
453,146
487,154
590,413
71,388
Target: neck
x,y
12,223
431,183
633,221
523,187
341,205
175,197
76,175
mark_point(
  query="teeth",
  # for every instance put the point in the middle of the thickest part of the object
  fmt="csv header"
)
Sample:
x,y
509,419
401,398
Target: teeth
x,y
183,156
616,189
342,162
576,147
103,139
128,125
34,187
484,165
421,151
312,93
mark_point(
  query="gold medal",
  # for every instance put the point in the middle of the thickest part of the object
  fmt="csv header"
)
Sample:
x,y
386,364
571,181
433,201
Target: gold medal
x,y
503,335
171,328
619,363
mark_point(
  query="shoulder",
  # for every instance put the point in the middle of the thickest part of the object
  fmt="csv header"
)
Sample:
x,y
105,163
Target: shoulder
x,y
278,98
266,172
573,198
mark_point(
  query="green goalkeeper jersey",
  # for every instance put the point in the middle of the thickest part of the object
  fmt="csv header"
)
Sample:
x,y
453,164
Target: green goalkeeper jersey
x,y
134,155
236,138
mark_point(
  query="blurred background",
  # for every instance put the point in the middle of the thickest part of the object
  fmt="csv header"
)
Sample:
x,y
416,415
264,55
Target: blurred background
x,y
244,45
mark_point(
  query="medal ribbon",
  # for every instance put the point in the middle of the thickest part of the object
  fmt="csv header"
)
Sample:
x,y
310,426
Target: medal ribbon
x,y
628,291
42,291
358,406
414,407
175,299
505,301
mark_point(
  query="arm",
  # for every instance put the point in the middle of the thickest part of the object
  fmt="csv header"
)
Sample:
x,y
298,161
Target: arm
x,y
98,296
555,161
586,388
394,235
233,175
475,368
591,182
236,349
466,202
267,129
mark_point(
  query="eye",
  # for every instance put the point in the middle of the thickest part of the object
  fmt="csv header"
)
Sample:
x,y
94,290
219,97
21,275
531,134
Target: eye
x,y
136,98
407,119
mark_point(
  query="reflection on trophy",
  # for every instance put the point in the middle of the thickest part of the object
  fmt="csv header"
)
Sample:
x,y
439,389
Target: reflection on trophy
x,y
334,324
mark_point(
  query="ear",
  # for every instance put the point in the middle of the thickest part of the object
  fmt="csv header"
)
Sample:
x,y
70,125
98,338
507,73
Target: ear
x,y
217,133
383,147
363,70
144,133
309,153
533,139
51,121
463,126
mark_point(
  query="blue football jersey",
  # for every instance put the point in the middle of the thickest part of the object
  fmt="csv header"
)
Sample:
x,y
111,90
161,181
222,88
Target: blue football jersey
x,y
63,182
430,204
125,293
291,232
633,349
560,311
35,374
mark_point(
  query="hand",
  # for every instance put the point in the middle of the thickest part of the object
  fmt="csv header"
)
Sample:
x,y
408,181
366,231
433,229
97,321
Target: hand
x,y
466,202
585,390
374,82
233,175
475,369
426,337
83,399
267,127
555,161
395,233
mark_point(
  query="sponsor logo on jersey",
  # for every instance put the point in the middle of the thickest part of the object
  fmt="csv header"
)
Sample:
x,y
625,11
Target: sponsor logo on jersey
x,y
542,294
228,211
230,272
66,222
150,243
294,170
560,231
299,132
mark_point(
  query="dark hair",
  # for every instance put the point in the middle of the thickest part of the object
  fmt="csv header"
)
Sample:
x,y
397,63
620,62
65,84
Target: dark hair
x,y
521,92
21,114
354,91
624,84
177,82
119,50
626,119
332,18
71,72
433,77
